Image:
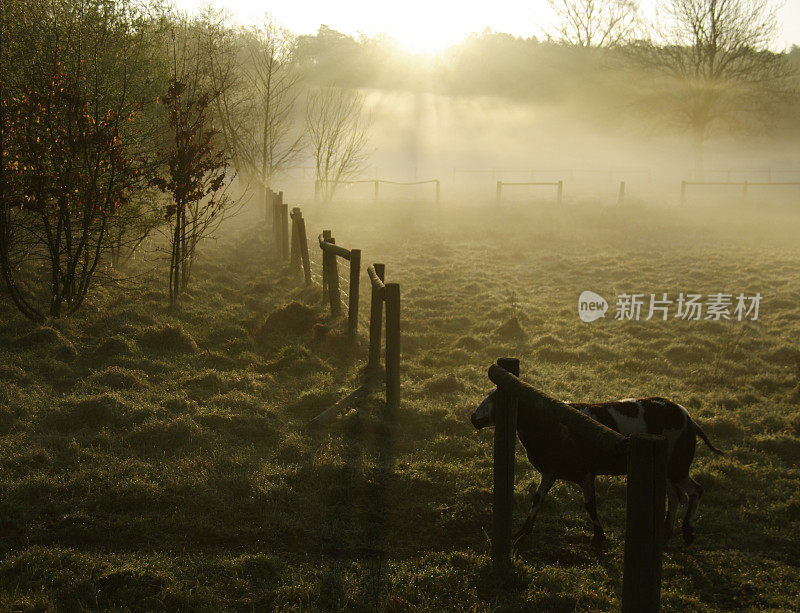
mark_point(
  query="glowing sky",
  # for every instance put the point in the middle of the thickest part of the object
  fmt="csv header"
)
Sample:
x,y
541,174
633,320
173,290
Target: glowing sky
x,y
430,25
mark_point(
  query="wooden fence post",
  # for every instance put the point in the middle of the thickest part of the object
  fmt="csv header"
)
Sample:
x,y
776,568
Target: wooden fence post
x,y
644,523
376,321
267,202
333,281
284,228
302,240
560,191
352,297
499,191
621,196
277,216
392,297
326,236
294,257
505,439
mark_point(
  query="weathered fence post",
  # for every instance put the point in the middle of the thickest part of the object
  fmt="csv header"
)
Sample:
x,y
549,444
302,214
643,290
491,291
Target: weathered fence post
x,y
294,258
326,236
352,298
302,240
333,281
284,228
267,202
621,196
376,320
499,191
683,192
560,191
505,438
644,523
392,297
276,219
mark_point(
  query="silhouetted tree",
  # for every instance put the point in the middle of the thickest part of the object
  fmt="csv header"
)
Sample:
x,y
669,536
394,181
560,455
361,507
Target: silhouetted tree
x,y
713,66
337,131
595,23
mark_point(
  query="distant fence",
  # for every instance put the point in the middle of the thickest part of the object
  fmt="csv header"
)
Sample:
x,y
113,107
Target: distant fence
x,y
646,474
731,173
557,184
569,173
318,184
745,185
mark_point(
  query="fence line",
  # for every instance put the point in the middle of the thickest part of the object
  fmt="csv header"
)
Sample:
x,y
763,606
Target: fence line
x,y
571,172
318,183
330,276
745,185
557,184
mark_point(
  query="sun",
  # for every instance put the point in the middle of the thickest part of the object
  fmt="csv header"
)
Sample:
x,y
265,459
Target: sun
x,y
423,38
427,28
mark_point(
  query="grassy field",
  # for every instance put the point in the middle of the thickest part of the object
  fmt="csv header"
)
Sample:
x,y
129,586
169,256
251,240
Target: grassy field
x,y
156,459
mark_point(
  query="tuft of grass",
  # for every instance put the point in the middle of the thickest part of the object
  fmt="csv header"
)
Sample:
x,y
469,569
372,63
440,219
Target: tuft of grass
x,y
95,412
444,384
112,347
511,330
116,377
169,338
295,318
40,336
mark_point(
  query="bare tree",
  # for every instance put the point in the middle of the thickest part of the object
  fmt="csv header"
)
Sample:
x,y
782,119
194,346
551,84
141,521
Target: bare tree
x,y
596,23
715,66
258,105
337,130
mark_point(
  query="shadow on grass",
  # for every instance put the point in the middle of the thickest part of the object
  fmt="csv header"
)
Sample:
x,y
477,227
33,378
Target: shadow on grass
x,y
356,517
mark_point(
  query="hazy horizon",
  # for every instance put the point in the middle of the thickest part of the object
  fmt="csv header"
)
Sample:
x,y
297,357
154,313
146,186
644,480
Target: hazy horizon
x,y
443,27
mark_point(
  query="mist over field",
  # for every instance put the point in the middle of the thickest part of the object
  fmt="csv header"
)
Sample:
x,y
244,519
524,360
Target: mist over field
x,y
253,281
